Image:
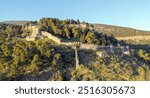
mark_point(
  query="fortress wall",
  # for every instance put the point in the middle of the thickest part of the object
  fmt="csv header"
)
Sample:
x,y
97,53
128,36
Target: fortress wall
x,y
69,43
99,47
66,43
33,29
93,47
89,47
30,38
79,25
52,37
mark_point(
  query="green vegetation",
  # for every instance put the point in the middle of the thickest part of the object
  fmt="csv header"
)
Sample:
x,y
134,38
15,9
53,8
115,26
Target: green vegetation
x,y
119,31
144,56
68,29
45,60
112,67
21,57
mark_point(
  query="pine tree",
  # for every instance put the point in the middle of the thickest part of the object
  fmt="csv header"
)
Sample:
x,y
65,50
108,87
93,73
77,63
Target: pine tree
x,y
9,31
67,33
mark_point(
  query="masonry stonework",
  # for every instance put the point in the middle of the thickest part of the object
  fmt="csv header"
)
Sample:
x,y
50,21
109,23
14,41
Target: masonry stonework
x,y
37,34
50,36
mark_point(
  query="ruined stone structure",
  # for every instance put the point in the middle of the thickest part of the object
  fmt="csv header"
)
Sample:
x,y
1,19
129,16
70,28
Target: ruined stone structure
x,y
50,36
70,43
85,25
92,47
101,50
95,47
37,34
79,25
89,46
76,57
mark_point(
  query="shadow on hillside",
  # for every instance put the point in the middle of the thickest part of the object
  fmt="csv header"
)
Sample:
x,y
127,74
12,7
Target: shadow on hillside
x,y
143,47
86,57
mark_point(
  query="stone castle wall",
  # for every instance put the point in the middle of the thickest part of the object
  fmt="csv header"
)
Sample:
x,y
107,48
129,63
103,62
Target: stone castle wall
x,y
32,28
43,34
93,47
89,46
50,36
70,43
79,25
112,49
35,33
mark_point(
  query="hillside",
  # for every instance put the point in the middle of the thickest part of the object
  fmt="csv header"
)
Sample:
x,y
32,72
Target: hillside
x,y
44,59
118,31
15,22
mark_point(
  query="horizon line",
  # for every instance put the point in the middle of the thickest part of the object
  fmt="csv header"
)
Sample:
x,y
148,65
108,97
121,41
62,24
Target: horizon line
x,y
131,27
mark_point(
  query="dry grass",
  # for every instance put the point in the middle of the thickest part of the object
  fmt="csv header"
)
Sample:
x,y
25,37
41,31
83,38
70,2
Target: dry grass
x,y
138,37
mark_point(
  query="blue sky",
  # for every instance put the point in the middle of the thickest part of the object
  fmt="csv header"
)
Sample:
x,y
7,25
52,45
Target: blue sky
x,y
129,13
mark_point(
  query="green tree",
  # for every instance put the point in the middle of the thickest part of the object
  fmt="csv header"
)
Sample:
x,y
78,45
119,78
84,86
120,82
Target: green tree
x,y
7,49
143,55
20,53
64,22
35,63
90,38
76,33
9,31
141,74
82,74
56,76
78,21
57,56
67,33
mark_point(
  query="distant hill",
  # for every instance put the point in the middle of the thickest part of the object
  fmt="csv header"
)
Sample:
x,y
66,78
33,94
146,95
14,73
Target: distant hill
x,y
15,22
119,31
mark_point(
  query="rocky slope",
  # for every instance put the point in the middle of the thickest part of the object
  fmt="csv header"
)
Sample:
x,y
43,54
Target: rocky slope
x,y
119,31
